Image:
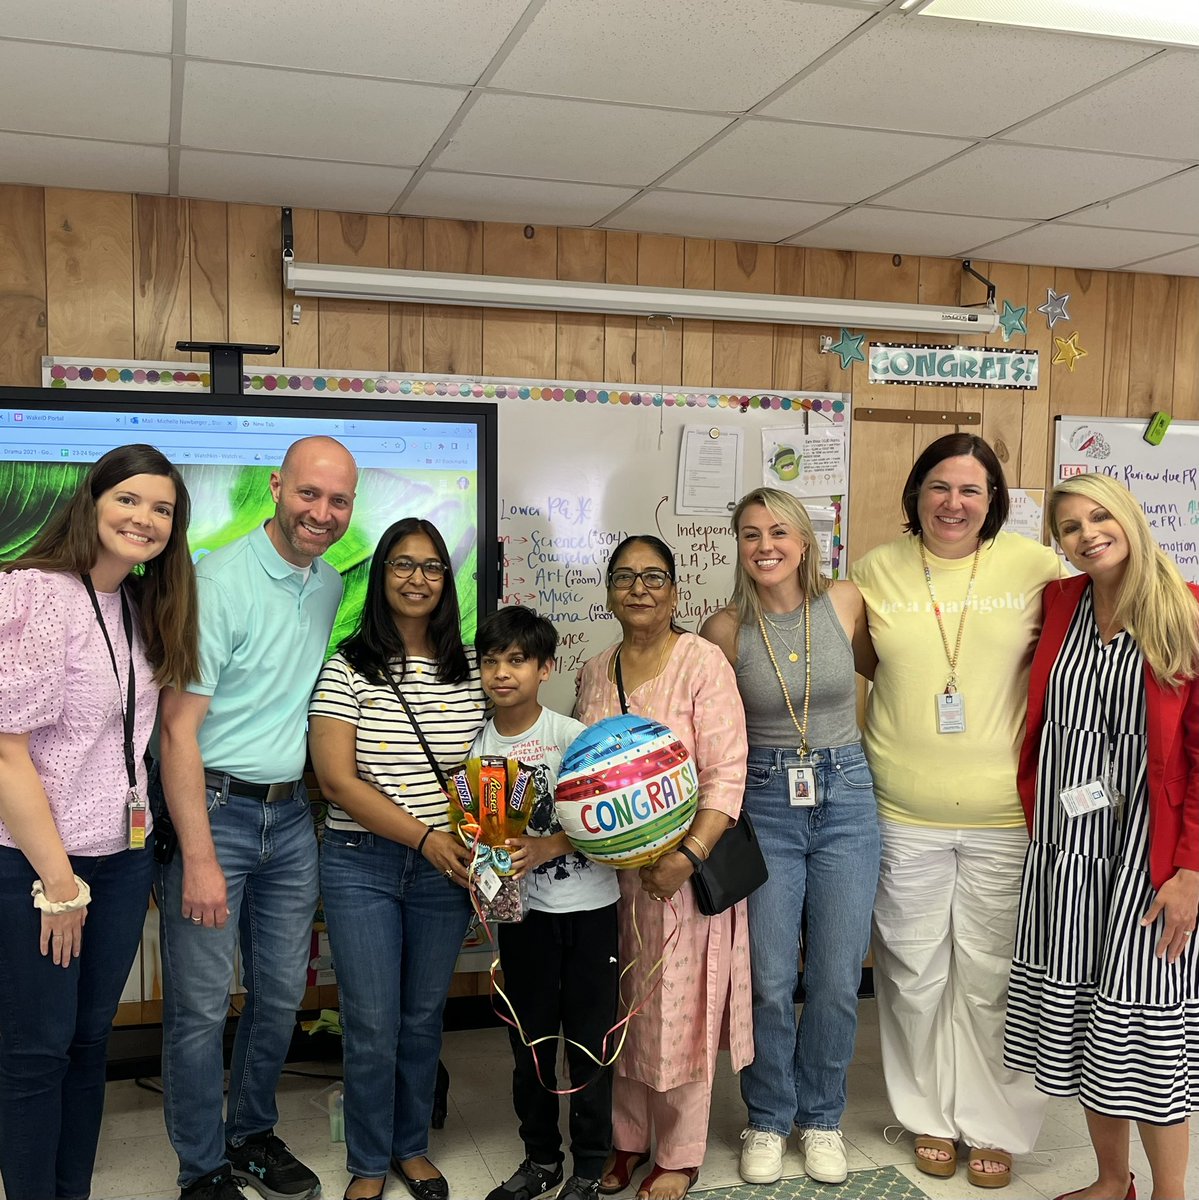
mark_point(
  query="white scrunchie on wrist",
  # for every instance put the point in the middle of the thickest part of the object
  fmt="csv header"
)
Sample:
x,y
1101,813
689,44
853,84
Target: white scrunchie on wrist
x,y
60,906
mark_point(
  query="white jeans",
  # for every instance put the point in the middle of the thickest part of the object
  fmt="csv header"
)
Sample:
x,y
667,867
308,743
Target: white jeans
x,y
944,927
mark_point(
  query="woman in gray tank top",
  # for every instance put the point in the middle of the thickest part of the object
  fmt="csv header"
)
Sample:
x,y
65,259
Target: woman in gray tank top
x,y
796,640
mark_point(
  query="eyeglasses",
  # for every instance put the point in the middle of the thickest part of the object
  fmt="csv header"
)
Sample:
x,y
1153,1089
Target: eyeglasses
x,y
401,568
623,578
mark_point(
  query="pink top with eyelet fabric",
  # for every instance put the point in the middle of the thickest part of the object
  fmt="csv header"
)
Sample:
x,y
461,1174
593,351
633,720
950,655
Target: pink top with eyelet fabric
x,y
57,685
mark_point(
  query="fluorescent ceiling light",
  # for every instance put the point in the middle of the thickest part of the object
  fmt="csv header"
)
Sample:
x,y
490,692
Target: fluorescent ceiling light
x,y
1172,22
494,291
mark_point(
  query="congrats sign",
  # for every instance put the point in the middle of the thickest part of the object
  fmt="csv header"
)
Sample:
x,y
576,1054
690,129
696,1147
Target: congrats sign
x,y
953,366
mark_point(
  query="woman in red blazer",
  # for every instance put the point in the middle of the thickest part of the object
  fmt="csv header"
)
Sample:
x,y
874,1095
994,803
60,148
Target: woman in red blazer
x,y
1104,994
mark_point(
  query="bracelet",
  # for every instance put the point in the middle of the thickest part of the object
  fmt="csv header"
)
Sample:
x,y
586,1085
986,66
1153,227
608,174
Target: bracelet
x,y
701,844
420,846
60,906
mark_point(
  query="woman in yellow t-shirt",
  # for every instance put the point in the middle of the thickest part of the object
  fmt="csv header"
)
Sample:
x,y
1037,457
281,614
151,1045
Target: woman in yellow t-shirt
x,y
954,610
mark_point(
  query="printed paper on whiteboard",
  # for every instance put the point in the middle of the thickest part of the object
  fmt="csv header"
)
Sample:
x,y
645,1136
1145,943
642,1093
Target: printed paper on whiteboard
x,y
1026,515
709,471
805,464
824,525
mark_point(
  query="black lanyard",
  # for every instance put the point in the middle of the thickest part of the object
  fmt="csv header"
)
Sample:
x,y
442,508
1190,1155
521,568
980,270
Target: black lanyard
x,y
128,709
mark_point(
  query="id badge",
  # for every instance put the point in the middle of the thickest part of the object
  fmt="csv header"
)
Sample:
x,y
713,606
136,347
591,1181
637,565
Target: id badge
x,y
951,712
1086,798
135,820
801,787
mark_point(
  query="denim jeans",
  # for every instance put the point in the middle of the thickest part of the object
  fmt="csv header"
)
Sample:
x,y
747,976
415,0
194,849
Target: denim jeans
x,y
396,926
825,860
55,1023
268,855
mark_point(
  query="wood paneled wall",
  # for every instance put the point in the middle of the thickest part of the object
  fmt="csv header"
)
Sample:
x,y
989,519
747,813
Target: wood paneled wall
x,y
121,276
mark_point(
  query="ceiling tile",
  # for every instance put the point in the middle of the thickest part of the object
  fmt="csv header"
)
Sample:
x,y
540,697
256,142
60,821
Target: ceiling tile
x,y
254,179
1141,113
129,25
1171,206
708,54
76,163
733,217
1081,246
882,78
810,162
1185,262
494,198
447,42
887,231
1025,182
84,93
265,111
573,140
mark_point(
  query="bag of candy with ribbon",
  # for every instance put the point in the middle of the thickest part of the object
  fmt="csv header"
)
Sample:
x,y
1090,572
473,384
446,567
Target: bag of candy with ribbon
x,y
491,800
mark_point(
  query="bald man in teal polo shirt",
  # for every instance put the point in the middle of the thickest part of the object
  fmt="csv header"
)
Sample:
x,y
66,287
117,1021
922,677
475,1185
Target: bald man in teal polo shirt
x,y
233,749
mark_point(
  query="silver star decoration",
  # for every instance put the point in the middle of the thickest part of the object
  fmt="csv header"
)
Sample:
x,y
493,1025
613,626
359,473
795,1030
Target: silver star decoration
x,y
1055,308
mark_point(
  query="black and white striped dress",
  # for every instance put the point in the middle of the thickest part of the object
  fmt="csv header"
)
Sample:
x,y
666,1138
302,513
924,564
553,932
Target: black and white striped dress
x,y
1092,1011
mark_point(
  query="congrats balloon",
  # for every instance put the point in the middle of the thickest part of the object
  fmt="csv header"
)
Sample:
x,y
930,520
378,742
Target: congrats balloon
x,y
627,791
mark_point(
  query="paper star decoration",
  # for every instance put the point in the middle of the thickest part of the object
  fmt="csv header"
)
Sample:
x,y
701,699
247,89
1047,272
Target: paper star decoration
x,y
1055,308
849,348
1012,320
1068,351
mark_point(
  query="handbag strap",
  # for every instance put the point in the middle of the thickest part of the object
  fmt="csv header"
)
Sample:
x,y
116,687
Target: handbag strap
x,y
424,742
624,701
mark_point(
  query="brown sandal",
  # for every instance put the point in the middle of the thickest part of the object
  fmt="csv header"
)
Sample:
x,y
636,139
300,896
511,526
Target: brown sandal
x,y
941,1168
692,1174
621,1166
989,1179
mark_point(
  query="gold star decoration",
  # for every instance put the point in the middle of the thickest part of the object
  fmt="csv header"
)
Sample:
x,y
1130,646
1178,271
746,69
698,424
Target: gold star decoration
x,y
1068,351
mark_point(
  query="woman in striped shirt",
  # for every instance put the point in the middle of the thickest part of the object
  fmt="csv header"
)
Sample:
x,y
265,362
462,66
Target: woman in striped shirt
x,y
1104,995
397,705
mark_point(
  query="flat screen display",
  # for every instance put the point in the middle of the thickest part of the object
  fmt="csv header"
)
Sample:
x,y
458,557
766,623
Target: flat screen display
x,y
429,459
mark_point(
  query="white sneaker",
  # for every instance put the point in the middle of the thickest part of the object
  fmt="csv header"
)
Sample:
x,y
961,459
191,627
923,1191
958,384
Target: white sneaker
x,y
824,1155
762,1156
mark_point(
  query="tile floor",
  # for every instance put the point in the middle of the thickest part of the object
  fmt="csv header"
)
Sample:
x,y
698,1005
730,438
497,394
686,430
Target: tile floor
x,y
478,1146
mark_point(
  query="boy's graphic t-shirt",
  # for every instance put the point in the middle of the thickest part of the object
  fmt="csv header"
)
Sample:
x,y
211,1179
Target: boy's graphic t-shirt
x,y
572,882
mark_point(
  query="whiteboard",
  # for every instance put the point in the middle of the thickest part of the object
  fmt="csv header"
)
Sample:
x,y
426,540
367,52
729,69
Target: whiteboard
x,y
577,478
1164,478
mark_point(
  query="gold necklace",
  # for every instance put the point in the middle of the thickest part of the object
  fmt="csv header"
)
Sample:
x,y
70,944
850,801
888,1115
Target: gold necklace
x,y
792,653
657,670
807,691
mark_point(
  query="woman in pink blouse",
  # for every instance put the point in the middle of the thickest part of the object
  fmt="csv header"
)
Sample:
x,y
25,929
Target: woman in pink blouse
x,y
663,1084
84,647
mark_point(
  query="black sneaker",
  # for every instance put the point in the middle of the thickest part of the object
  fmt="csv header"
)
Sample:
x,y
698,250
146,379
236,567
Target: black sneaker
x,y
264,1163
530,1180
218,1186
578,1188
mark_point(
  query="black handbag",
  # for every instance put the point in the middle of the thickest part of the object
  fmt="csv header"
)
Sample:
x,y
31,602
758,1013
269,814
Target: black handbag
x,y
733,869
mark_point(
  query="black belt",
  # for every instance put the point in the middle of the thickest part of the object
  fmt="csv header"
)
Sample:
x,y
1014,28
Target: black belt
x,y
267,792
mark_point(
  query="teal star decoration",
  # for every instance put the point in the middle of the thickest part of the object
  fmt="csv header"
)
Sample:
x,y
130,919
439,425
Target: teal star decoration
x,y
849,348
1054,307
1012,320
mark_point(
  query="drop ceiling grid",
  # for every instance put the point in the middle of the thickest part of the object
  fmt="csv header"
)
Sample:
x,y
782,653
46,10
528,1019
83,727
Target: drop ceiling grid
x,y
911,135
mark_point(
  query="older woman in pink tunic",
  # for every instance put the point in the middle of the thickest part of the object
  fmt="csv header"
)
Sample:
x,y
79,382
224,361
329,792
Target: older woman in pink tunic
x,y
663,1085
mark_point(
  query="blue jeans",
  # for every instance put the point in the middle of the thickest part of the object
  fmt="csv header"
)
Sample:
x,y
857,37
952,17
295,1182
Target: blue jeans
x,y
268,855
824,859
55,1023
396,926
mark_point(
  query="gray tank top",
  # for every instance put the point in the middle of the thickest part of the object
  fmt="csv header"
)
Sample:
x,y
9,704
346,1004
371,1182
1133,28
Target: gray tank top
x,y
832,713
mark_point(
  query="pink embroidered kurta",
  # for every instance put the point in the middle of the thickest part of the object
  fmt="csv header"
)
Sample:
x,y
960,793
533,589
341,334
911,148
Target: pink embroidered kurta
x,y
703,1002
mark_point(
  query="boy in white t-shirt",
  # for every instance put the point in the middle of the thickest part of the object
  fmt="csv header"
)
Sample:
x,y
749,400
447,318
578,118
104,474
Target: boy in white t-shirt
x,y
559,963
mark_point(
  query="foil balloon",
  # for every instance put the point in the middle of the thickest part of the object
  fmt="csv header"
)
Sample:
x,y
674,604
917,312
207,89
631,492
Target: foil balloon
x,y
627,791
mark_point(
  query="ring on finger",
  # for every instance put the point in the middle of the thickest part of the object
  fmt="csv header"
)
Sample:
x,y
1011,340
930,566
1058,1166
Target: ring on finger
x,y
197,920
449,874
